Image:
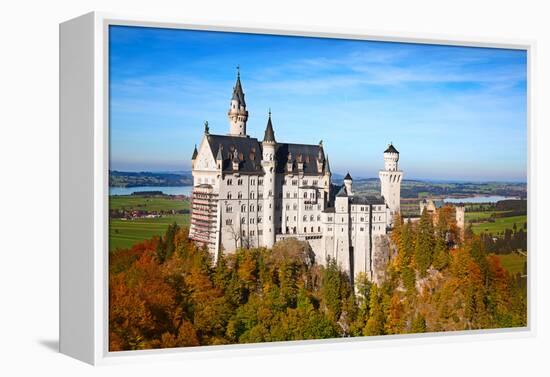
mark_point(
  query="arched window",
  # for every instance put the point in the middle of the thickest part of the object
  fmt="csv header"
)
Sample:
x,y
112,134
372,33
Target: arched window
x,y
228,195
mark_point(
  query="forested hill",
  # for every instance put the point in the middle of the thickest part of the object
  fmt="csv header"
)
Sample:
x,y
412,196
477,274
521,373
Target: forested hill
x,y
135,179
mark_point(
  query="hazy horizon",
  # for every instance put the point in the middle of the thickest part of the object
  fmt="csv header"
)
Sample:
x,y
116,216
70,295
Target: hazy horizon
x,y
454,113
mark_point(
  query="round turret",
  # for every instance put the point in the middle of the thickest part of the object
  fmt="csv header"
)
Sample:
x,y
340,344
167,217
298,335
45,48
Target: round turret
x,y
391,158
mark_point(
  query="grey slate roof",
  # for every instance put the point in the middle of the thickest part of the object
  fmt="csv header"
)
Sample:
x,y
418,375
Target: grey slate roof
x,y
342,192
269,134
249,153
307,153
391,149
238,93
367,200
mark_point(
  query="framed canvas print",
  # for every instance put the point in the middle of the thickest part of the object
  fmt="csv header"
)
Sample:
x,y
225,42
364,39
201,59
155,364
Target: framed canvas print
x,y
225,188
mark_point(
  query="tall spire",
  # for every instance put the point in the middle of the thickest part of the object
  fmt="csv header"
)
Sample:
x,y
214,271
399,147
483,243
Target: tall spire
x,y
195,153
269,135
237,113
238,93
327,166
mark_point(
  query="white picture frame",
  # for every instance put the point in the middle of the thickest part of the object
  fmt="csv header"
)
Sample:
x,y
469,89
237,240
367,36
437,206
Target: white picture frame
x,y
84,164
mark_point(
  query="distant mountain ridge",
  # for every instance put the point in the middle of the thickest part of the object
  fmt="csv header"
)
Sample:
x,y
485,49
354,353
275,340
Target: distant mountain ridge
x,y
137,179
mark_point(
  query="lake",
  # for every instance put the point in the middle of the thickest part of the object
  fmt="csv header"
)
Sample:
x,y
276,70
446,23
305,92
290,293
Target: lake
x,y
168,190
479,199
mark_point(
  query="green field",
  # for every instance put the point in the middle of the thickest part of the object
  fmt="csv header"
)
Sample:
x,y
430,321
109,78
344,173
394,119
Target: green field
x,y
125,233
500,224
151,203
480,215
513,262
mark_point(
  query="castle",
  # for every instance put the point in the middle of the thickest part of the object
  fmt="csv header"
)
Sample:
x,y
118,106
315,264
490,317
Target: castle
x,y
252,193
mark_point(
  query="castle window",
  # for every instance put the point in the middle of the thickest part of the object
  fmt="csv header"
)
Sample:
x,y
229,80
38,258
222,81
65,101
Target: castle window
x,y
318,217
305,229
251,220
311,229
319,229
361,229
311,218
252,208
304,218
329,229
251,232
295,195
362,219
244,233
240,195
240,182
294,218
229,182
252,182
260,195
330,218
270,193
288,195
243,208
305,195
228,209
259,220
314,182
294,182
260,182
305,182
287,207
259,208
243,220
228,222
295,206
260,232
286,219
251,195
228,195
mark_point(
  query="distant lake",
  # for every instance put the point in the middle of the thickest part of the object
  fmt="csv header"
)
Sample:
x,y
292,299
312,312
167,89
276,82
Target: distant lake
x,y
479,199
168,190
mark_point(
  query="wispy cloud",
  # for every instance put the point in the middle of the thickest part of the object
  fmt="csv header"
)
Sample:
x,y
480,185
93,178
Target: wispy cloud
x,y
467,106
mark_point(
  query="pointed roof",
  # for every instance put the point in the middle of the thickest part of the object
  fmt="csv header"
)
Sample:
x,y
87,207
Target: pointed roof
x,y
238,93
348,177
269,134
195,153
342,192
391,149
327,166
219,157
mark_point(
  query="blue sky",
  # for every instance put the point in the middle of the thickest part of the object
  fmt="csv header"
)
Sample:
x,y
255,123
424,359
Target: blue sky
x,y
454,113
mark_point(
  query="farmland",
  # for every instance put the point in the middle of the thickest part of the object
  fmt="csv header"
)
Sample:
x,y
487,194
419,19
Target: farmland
x,y
147,203
126,229
499,225
514,263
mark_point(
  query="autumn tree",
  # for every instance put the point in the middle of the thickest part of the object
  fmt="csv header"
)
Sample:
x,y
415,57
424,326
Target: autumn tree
x,y
424,247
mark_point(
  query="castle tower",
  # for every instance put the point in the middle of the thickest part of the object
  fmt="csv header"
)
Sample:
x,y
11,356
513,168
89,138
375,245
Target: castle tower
x,y
390,181
460,223
237,113
348,181
268,163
